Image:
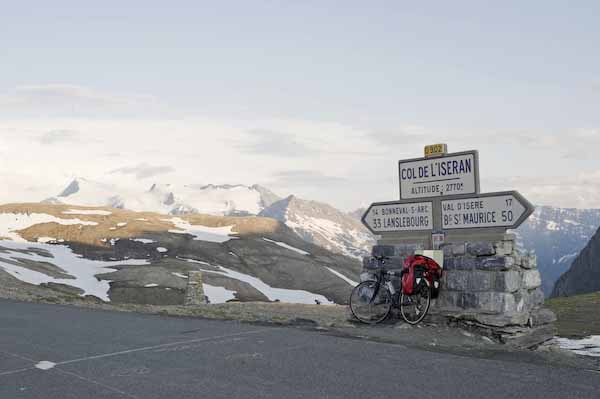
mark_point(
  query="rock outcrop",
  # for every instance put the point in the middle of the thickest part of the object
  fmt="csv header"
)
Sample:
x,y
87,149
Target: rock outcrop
x,y
584,275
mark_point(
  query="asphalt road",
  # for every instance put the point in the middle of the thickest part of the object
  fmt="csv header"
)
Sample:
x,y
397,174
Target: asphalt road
x,y
64,352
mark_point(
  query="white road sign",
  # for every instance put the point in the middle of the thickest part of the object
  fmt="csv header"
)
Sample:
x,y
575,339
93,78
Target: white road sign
x,y
397,216
507,209
454,174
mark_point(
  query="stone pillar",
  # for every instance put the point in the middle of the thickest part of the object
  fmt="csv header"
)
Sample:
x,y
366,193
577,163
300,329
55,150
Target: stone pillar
x,y
492,285
194,293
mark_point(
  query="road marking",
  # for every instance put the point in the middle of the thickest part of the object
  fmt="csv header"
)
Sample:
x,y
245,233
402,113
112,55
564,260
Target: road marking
x,y
147,348
89,380
45,365
16,371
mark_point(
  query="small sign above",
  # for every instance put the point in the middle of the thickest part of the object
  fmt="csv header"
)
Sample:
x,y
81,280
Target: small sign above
x,y
436,150
430,177
506,209
397,216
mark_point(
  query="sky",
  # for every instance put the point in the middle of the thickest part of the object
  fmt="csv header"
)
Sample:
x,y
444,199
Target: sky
x,y
314,98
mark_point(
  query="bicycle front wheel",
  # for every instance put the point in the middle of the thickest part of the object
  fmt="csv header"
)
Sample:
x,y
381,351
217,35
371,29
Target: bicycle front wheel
x,y
370,302
414,307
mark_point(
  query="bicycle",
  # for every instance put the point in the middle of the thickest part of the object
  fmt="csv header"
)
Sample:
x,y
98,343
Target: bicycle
x,y
371,301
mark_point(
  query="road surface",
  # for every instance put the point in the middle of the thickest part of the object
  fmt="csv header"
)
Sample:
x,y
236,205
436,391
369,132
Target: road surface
x,y
49,351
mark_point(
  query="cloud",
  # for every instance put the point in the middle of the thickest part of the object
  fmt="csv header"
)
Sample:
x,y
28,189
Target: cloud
x,y
143,171
60,99
402,135
59,136
305,178
275,143
581,190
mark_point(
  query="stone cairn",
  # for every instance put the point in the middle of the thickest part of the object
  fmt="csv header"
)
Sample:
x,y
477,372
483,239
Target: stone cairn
x,y
493,288
194,292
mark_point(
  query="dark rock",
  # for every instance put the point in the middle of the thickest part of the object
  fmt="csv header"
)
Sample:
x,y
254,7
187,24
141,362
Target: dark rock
x,y
584,275
480,249
460,263
541,316
65,289
496,263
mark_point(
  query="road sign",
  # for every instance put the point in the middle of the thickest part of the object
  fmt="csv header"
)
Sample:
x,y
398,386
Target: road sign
x,y
506,209
436,150
431,177
399,216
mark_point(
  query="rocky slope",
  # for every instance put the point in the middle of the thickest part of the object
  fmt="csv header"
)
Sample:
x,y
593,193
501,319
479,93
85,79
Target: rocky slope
x,y
584,275
557,235
144,257
323,225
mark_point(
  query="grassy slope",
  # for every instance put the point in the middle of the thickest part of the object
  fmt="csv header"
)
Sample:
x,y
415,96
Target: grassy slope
x,y
578,316
107,224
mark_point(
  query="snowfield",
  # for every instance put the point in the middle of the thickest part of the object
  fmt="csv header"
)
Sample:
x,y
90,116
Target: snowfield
x,y
87,212
340,275
217,294
162,198
349,242
82,270
286,246
10,223
589,346
272,293
201,233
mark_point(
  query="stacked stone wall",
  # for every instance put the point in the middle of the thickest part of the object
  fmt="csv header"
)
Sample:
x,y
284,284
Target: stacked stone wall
x,y
492,286
496,284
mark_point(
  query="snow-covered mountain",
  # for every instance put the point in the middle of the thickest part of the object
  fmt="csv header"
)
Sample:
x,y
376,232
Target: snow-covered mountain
x,y
48,250
220,200
558,235
323,225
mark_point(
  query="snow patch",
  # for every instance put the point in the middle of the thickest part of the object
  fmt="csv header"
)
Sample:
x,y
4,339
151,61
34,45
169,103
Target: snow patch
x,y
121,224
340,275
87,212
151,285
45,240
84,270
143,240
272,293
10,223
589,346
218,294
161,249
179,275
201,233
566,257
286,246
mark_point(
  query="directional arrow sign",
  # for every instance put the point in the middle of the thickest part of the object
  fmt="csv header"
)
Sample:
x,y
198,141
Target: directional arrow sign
x,y
398,216
506,209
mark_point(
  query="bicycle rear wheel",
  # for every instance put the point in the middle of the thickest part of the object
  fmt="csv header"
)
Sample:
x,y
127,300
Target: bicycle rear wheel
x,y
414,307
370,302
